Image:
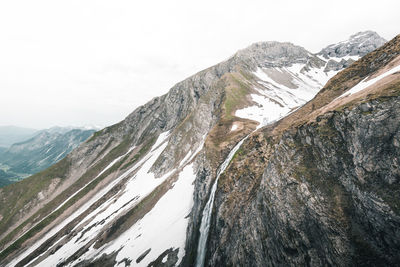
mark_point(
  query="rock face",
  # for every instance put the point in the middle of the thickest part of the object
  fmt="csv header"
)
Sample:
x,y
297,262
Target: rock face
x,y
358,44
324,191
134,193
343,54
273,54
327,196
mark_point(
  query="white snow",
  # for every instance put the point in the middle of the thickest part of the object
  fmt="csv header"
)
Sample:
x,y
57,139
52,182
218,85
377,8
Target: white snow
x,y
138,187
162,228
161,139
338,59
59,155
188,158
144,185
234,127
364,83
265,112
164,260
275,100
32,248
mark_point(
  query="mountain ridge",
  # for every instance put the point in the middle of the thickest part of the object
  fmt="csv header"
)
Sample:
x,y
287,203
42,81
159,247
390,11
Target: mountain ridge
x,y
317,183
159,144
45,148
12,134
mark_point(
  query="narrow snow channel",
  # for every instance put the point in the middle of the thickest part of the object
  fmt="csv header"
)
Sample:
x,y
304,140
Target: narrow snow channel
x,y
207,212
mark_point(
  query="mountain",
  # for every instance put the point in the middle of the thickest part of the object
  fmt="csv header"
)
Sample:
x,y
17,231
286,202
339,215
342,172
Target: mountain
x,y
39,152
344,53
358,45
321,186
13,134
247,163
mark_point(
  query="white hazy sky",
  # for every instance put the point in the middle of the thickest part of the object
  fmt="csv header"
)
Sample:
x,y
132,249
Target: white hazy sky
x,y
93,62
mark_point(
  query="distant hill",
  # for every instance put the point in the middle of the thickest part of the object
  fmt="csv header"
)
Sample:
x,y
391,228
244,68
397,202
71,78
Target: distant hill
x,y
38,152
13,134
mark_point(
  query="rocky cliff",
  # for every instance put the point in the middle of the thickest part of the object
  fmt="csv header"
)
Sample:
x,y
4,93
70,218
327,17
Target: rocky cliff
x,y
136,192
320,187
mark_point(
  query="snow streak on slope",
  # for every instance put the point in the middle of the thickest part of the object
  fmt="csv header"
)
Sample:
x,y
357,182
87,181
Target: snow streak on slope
x,y
281,90
161,228
136,189
366,83
164,227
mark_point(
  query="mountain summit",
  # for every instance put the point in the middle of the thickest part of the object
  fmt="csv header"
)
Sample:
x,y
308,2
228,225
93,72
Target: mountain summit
x,y
246,163
358,45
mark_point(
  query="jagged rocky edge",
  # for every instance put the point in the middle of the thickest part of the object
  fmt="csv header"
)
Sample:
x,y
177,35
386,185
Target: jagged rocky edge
x,y
161,117
181,109
161,114
272,212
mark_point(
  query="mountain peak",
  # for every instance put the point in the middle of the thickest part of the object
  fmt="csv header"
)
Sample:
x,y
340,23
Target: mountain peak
x,y
273,53
365,34
219,145
359,44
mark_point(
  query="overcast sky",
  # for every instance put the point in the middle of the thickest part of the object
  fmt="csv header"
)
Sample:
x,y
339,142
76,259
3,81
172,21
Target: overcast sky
x,y
93,62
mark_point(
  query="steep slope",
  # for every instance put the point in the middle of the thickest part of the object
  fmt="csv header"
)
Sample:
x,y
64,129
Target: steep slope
x,y
321,186
134,193
41,151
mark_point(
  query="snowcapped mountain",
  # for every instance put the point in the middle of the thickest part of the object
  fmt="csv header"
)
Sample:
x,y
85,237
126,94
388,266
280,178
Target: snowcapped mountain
x,y
210,173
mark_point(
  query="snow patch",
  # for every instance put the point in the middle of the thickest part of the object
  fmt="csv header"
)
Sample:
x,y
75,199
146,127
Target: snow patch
x,y
164,260
189,157
139,186
163,227
365,84
161,139
275,100
338,59
264,112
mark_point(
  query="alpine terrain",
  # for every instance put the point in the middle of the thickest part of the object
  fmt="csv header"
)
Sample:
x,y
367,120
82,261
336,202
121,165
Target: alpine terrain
x,y
45,148
13,134
274,157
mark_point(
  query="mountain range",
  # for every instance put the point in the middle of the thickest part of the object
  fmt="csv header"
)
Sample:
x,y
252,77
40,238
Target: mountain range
x,y
276,156
12,134
38,152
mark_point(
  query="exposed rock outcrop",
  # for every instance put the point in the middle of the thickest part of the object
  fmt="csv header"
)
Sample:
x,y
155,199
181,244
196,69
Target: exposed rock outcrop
x,y
328,195
323,191
112,200
358,44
